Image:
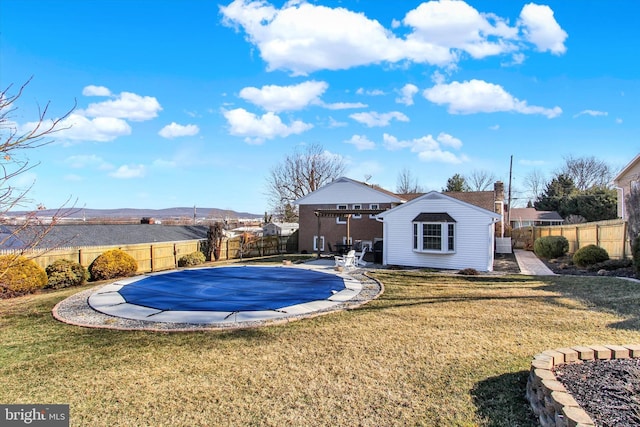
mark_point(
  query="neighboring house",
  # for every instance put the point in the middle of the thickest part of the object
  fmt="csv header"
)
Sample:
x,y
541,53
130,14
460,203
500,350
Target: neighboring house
x,y
527,217
625,181
69,235
439,231
342,213
279,229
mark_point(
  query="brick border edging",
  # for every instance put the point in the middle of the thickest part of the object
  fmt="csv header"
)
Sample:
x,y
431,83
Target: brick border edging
x,y
549,399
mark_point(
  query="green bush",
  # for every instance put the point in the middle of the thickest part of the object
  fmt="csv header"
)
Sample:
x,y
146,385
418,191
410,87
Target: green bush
x,y
551,246
64,273
111,264
589,255
20,275
194,258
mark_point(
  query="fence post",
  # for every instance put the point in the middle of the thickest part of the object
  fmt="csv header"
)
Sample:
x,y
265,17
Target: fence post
x,y
151,257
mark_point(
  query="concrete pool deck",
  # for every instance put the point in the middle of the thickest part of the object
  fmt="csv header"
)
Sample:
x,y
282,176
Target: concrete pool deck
x,y
104,307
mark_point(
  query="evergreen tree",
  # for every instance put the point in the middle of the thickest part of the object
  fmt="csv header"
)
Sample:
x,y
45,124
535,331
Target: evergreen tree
x,y
457,183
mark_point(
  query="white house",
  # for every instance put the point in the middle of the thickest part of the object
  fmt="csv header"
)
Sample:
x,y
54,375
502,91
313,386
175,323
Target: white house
x,y
439,231
279,228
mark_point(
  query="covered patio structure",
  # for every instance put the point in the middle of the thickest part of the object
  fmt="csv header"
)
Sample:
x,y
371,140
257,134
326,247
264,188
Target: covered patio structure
x,y
342,213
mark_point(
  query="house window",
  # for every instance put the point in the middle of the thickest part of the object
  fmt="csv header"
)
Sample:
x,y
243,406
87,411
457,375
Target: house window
x,y
356,216
434,233
373,206
341,219
318,241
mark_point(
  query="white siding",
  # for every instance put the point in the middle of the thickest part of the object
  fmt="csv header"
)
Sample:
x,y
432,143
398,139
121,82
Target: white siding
x,y
473,240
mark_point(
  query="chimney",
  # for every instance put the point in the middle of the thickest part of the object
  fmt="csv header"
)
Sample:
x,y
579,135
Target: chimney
x,y
498,189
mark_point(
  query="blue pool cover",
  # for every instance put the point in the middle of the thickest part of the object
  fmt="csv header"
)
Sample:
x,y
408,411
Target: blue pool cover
x,y
232,289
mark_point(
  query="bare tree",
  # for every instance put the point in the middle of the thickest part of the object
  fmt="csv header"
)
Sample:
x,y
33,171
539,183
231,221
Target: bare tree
x,y
407,183
300,174
13,143
587,172
480,180
535,184
632,204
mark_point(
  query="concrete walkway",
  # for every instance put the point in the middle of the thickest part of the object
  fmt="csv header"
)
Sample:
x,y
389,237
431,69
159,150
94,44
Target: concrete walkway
x,y
530,264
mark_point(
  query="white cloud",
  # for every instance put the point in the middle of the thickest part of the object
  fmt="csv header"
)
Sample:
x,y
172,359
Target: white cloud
x,y
91,161
285,98
541,28
93,90
126,105
406,94
449,141
371,92
302,37
258,128
428,148
592,113
129,171
455,25
344,105
80,128
175,130
478,96
374,119
333,123
361,142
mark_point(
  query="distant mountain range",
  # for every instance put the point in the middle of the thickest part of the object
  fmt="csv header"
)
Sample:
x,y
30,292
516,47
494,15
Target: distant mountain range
x,y
142,213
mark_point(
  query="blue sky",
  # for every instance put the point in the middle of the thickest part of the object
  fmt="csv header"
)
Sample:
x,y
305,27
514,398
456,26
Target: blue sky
x,y
183,103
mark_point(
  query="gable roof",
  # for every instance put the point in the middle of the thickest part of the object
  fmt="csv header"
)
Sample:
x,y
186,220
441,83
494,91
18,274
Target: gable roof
x,y
105,234
531,214
626,169
445,196
483,199
346,190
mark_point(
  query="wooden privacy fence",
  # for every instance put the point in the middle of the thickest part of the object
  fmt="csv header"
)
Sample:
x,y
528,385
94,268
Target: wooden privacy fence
x,y
159,256
610,235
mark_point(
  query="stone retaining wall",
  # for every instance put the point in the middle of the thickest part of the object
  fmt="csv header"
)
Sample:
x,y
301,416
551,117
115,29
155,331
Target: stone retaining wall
x,y
549,399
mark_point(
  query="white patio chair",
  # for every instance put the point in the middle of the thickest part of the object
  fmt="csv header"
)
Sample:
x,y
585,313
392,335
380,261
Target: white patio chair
x,y
348,261
360,262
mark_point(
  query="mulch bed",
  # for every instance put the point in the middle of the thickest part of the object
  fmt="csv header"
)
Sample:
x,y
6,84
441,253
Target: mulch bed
x,y
565,265
608,390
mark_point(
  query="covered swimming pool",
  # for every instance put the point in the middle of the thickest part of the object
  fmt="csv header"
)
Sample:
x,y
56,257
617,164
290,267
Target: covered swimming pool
x,y
225,294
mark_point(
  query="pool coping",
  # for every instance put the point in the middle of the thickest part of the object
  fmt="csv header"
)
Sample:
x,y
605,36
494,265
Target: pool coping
x,y
77,310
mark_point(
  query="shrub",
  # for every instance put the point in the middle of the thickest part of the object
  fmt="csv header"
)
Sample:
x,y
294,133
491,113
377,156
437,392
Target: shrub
x,y
589,255
111,264
20,275
469,272
64,273
551,246
194,258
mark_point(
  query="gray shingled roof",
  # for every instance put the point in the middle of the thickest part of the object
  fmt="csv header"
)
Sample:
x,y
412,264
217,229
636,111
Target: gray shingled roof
x,y
108,234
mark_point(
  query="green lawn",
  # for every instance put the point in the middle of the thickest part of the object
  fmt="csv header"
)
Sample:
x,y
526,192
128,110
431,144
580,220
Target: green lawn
x,y
433,350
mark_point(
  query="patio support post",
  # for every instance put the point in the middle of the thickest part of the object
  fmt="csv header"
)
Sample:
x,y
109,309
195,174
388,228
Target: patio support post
x,y
318,235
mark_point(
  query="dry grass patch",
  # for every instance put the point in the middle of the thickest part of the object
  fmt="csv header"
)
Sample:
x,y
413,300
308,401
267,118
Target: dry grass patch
x,y
433,350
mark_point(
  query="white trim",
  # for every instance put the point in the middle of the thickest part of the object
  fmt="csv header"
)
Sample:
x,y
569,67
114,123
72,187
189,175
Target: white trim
x,y
315,243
